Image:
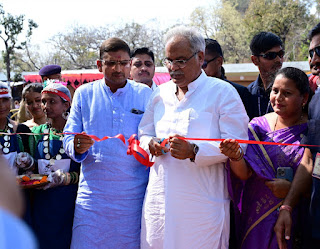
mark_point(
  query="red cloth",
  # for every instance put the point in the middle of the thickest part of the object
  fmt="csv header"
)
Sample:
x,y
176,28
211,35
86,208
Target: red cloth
x,y
75,80
313,82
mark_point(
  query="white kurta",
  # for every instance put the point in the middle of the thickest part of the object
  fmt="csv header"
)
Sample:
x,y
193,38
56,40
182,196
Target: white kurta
x,y
187,203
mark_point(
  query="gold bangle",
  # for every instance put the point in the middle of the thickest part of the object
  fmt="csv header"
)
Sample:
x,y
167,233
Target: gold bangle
x,y
240,157
68,179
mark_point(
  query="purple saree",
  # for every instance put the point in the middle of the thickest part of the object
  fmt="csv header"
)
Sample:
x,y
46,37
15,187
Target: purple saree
x,y
256,207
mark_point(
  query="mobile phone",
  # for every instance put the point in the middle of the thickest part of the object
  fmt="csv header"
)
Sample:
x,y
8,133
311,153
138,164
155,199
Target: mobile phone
x,y
136,111
285,173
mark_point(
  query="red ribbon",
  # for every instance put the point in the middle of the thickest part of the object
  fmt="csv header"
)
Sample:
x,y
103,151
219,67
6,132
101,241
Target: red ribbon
x,y
142,156
240,141
133,149
139,154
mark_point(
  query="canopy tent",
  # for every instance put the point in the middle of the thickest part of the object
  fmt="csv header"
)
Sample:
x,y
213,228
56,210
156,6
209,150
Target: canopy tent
x,y
77,79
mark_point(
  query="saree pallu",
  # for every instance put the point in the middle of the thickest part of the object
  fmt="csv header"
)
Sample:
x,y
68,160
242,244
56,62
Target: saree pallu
x,y
256,208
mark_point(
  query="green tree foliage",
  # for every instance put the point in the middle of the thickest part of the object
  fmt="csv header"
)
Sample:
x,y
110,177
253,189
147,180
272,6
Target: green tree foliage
x,y
10,28
234,22
289,19
225,24
240,5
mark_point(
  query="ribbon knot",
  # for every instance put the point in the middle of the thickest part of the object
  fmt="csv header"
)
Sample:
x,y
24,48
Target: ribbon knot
x,y
139,154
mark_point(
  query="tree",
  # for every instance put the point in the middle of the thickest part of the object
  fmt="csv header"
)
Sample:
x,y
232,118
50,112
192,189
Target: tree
x,y
79,47
289,19
232,34
206,20
233,24
11,28
240,5
215,22
139,35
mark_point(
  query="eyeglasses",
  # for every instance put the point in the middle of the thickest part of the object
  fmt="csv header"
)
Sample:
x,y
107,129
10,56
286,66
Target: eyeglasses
x,y
124,63
316,49
272,55
179,63
205,63
146,63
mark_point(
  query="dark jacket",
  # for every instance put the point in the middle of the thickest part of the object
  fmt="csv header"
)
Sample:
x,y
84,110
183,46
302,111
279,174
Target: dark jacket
x,y
260,98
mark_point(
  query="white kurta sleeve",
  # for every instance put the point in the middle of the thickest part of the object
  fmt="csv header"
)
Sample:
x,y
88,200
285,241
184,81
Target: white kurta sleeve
x,y
232,123
146,129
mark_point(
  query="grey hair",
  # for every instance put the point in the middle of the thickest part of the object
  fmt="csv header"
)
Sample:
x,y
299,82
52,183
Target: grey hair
x,y
196,40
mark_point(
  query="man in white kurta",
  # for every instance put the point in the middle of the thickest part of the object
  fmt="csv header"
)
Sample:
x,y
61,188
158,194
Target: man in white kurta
x,y
186,203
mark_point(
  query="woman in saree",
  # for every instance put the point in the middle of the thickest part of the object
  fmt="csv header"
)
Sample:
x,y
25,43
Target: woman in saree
x,y
253,186
53,206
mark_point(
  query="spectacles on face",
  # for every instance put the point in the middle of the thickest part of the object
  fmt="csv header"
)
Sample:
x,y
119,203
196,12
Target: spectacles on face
x,y
272,55
179,63
124,63
146,63
316,49
205,63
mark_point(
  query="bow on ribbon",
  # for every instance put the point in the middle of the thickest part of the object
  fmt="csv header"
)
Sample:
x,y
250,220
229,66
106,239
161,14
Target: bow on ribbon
x,y
142,156
133,149
139,154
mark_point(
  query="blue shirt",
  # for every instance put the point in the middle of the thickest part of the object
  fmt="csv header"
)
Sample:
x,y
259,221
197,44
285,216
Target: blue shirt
x,y
112,183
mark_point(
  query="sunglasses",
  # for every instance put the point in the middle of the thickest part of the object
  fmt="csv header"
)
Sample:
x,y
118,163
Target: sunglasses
x,y
316,49
205,63
146,63
272,55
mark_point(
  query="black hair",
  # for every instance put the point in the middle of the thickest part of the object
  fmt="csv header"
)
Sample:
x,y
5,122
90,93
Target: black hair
x,y
300,79
213,47
143,50
33,87
263,42
113,44
314,31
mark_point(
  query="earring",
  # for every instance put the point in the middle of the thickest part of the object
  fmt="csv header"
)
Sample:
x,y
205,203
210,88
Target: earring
x,y
65,115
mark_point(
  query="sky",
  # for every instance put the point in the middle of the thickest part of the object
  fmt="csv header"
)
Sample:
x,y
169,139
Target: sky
x,y
57,15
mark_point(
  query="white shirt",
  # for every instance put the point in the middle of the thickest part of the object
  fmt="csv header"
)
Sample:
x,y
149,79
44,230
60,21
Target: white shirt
x,y
187,203
153,86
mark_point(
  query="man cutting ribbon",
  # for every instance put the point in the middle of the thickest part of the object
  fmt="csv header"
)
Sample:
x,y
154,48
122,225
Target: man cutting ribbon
x,y
187,203
112,184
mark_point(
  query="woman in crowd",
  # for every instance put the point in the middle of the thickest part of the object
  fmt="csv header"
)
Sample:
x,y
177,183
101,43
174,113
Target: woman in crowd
x,y
11,145
53,206
255,188
31,96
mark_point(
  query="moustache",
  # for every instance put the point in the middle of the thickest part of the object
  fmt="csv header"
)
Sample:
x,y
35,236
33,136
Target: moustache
x,y
118,74
175,73
144,72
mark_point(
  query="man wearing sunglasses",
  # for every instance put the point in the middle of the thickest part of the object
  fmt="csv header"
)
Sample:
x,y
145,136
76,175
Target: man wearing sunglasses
x,y
267,55
308,172
112,184
142,67
212,66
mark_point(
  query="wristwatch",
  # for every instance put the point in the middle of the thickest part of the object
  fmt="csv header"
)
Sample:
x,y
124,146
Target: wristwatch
x,y
195,151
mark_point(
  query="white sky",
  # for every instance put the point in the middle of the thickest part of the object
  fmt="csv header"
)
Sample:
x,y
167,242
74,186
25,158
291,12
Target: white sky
x,y
57,15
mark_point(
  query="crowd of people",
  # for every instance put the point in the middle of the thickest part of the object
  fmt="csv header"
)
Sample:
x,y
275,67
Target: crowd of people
x,y
199,193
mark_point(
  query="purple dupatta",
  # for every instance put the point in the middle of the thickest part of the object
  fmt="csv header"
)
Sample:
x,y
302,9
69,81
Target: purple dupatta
x,y
256,207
